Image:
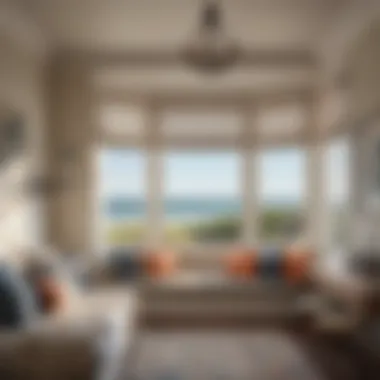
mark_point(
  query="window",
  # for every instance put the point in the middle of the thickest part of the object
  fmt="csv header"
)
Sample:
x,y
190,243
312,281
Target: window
x,y
337,184
281,194
123,198
201,127
120,122
202,197
280,123
204,124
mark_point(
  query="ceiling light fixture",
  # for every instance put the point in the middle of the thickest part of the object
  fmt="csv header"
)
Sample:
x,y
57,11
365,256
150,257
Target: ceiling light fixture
x,y
211,50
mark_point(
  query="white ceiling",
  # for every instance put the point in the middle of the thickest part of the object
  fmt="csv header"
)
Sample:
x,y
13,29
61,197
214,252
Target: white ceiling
x,y
123,25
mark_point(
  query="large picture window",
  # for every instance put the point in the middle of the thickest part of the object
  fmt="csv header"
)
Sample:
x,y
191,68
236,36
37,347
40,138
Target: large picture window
x,y
281,193
123,196
202,184
202,200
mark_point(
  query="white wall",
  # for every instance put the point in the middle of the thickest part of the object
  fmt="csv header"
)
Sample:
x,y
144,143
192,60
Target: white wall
x,y
21,92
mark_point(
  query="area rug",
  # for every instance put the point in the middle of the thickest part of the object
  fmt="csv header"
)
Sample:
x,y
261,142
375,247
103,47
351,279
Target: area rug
x,y
216,355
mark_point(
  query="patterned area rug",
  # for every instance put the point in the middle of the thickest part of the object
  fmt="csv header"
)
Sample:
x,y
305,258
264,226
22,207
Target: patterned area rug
x,y
220,356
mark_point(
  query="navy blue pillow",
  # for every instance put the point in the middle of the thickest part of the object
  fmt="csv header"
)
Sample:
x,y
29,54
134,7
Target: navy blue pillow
x,y
125,263
271,264
17,308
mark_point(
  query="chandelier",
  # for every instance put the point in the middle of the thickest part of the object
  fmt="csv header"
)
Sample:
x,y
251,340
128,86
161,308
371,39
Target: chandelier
x,y
211,49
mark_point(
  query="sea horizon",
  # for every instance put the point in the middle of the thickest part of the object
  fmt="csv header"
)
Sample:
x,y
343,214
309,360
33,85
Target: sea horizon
x,y
187,207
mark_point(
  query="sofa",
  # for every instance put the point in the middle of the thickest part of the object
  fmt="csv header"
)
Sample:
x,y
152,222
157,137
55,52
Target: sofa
x,y
87,339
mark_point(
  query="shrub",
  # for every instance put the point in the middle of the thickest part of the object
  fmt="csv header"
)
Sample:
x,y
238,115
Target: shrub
x,y
276,224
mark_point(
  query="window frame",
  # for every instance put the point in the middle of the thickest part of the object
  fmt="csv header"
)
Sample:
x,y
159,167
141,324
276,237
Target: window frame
x,y
100,220
303,204
199,150
247,146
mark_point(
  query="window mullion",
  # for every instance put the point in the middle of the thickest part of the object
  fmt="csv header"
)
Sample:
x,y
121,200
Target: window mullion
x,y
154,177
249,179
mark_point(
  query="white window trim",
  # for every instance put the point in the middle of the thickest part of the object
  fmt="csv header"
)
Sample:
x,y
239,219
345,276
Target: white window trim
x,y
156,147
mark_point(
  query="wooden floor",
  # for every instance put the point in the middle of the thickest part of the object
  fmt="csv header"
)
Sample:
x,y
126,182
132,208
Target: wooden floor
x,y
228,355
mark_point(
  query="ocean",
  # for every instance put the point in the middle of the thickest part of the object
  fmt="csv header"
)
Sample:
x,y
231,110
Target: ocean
x,y
118,208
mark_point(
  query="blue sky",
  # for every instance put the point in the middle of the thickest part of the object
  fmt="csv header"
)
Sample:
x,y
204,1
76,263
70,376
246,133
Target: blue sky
x,y
282,173
122,172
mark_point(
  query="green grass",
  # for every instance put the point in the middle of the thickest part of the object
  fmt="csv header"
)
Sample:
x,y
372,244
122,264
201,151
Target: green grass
x,y
122,233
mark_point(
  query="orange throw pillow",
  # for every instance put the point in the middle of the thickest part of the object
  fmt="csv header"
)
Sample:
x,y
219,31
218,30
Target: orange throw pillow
x,y
298,265
160,264
52,294
241,264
